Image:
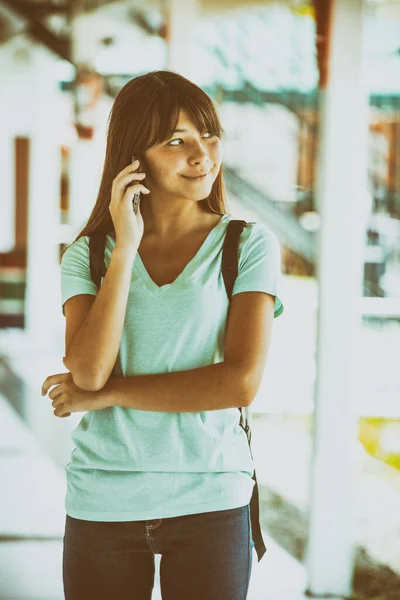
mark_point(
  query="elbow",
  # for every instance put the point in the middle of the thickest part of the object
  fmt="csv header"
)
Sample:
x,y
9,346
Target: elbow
x,y
83,376
250,389
88,385
247,398
242,384
87,381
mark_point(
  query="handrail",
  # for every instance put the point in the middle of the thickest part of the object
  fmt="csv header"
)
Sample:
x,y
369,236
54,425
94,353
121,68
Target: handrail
x,y
285,225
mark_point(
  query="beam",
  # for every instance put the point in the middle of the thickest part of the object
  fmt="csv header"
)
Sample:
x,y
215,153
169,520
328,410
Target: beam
x,y
59,45
45,8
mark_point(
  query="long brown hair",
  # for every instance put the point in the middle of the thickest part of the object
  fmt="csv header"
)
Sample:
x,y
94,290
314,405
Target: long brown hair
x,y
145,112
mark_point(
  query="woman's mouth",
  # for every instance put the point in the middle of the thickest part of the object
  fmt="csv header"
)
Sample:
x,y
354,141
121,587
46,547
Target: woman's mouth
x,y
199,178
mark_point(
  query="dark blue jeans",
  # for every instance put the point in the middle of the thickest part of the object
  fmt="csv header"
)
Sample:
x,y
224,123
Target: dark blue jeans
x,y
205,556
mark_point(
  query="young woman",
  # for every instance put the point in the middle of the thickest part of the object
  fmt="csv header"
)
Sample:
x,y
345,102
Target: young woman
x,y
161,464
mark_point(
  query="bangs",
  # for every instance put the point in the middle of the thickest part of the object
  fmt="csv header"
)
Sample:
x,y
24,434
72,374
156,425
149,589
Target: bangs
x,y
163,113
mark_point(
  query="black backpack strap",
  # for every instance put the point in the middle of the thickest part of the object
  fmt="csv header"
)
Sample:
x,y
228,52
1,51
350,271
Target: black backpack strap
x,y
230,257
97,243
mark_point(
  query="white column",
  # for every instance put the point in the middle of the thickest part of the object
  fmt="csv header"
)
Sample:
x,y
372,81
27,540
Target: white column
x,y
42,294
84,171
83,186
7,203
183,15
7,164
342,199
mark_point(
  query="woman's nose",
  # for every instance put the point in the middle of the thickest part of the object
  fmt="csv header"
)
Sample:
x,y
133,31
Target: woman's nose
x,y
198,154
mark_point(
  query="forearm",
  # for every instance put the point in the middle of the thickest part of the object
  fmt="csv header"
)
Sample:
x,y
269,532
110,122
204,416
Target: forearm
x,y
92,353
214,387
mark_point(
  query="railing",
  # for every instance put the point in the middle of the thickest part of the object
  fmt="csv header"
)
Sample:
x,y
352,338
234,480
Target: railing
x,y
12,289
284,224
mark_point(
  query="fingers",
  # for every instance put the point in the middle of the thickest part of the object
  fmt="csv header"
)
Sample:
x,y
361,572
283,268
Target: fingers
x,y
131,171
135,164
60,412
124,181
134,189
120,185
54,380
59,406
56,391
128,182
58,401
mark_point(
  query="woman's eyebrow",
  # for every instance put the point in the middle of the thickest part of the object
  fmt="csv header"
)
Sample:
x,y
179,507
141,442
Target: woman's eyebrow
x,y
181,131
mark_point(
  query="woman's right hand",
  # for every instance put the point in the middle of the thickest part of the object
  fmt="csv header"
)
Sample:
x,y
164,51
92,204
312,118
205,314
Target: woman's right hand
x,y
128,226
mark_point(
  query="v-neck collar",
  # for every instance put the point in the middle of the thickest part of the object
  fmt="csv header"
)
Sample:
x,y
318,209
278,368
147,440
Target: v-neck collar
x,y
189,268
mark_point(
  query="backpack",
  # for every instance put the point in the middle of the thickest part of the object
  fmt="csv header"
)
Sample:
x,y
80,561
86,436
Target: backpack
x,y
229,272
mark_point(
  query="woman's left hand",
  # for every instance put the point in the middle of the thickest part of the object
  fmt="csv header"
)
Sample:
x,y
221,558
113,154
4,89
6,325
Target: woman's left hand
x,y
67,397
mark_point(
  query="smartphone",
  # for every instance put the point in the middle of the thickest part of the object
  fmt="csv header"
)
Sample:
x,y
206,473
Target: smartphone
x,y
136,197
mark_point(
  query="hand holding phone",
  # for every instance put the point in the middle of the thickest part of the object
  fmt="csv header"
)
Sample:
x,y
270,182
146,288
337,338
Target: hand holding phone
x,y
125,196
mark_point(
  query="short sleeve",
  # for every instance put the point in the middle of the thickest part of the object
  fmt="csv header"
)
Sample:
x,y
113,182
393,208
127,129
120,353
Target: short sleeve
x,y
259,267
75,271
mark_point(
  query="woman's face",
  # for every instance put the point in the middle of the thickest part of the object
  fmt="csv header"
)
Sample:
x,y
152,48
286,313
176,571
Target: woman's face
x,y
188,153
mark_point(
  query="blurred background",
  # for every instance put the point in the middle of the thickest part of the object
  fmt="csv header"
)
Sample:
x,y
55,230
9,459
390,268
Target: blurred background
x,y
309,97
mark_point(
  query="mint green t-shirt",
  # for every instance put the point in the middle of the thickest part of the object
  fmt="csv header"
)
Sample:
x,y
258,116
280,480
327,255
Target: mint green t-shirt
x,y
131,464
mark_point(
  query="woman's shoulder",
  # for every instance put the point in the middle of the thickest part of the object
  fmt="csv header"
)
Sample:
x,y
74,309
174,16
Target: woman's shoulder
x,y
76,251
255,232
80,243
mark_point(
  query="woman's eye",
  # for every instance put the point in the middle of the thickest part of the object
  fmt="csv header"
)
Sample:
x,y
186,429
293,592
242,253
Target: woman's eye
x,y
180,139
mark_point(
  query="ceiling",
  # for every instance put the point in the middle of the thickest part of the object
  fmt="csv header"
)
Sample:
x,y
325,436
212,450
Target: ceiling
x,y
49,21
